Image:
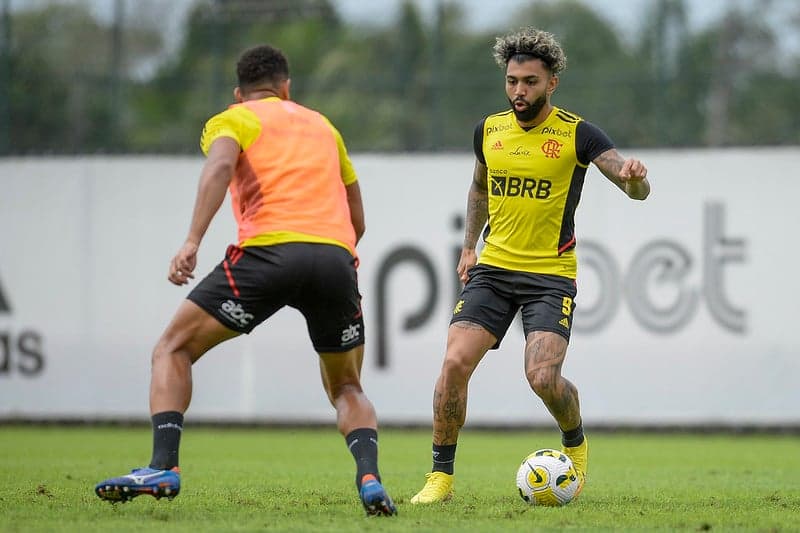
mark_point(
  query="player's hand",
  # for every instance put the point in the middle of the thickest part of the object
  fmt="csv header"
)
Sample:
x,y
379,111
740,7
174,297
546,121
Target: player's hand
x,y
183,264
468,260
632,170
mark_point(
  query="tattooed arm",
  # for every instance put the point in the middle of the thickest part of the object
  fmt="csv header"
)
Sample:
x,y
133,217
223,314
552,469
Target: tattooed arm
x,y
630,175
477,214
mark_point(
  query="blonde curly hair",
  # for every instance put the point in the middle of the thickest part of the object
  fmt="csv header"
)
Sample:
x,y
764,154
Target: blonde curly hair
x,y
530,42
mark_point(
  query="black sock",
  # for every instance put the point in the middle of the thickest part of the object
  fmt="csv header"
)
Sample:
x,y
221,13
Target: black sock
x,y
573,437
167,429
363,444
444,458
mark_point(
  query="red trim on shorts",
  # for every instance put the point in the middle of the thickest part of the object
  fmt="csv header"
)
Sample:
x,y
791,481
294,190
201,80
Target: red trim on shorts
x,y
237,255
234,253
229,275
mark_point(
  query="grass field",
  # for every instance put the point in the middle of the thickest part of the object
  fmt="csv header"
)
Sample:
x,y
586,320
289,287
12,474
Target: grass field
x,y
302,480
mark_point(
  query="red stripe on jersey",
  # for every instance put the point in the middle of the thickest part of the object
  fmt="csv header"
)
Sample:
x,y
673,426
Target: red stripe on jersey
x,y
567,245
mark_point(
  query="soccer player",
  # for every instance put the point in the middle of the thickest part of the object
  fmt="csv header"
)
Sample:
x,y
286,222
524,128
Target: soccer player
x,y
531,163
298,206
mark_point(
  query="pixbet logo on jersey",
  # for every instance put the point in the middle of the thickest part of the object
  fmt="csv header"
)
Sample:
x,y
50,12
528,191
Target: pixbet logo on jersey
x,y
498,128
548,130
20,350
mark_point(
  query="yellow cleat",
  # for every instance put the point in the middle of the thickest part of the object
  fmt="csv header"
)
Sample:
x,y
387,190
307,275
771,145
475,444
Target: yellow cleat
x,y
579,455
438,488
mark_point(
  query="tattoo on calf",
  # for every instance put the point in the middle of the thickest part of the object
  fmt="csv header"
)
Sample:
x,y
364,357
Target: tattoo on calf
x,y
560,396
449,412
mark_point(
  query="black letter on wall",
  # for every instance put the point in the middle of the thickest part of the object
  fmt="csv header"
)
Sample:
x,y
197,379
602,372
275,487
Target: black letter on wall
x,y
398,257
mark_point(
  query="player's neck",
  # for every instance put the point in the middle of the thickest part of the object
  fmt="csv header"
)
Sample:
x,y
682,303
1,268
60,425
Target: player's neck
x,y
261,94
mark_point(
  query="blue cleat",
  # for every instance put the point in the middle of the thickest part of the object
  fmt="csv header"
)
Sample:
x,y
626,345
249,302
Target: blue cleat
x,y
156,483
374,497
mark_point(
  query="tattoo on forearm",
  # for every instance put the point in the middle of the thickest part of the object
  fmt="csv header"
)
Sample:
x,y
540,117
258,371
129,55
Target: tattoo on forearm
x,y
477,214
610,162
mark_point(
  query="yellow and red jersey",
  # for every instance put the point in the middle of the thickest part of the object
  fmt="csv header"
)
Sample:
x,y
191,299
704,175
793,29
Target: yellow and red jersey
x,y
535,178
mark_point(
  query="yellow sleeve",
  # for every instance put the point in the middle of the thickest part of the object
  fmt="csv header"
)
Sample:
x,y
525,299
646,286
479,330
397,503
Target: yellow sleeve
x,y
345,165
236,122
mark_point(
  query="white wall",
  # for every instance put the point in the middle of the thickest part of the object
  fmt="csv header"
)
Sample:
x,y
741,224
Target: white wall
x,y
685,303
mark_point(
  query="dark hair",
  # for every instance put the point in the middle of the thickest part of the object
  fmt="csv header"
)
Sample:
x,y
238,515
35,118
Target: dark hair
x,y
262,64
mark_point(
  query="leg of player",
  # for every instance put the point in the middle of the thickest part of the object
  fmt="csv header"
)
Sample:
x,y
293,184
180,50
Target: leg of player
x,y
356,421
191,333
544,355
467,343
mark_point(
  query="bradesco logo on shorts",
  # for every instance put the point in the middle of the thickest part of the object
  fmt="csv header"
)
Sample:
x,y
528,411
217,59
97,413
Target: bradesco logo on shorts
x,y
20,349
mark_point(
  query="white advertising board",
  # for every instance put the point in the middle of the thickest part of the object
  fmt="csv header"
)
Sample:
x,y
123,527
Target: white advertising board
x,y
684,301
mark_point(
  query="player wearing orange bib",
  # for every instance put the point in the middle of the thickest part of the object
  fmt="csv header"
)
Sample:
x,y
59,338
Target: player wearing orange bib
x,y
298,208
530,165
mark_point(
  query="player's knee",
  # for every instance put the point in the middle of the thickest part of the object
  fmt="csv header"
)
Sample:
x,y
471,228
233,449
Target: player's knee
x,y
166,352
159,354
345,389
456,367
543,382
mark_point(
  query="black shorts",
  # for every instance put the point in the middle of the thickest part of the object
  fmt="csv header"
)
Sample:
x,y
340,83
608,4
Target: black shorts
x,y
492,297
319,280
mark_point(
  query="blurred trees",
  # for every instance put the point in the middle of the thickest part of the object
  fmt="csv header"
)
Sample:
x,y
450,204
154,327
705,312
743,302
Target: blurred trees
x,y
63,96
71,84
173,106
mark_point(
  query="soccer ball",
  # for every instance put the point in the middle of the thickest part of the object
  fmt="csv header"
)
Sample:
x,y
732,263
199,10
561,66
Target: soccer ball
x,y
547,477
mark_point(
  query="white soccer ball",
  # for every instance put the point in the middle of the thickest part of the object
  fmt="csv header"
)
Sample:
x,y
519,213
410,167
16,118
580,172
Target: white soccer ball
x,y
547,477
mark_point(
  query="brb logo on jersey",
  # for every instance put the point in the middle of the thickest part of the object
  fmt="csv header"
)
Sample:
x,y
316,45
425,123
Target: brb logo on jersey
x,y
511,186
235,313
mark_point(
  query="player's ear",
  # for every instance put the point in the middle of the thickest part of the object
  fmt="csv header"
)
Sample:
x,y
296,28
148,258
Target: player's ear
x,y
283,89
552,84
237,95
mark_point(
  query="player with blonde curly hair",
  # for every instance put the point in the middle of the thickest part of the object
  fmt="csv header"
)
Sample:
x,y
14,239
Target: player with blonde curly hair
x,y
532,43
530,165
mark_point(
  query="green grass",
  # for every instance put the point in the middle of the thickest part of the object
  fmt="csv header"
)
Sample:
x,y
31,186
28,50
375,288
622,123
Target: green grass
x,y
303,480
